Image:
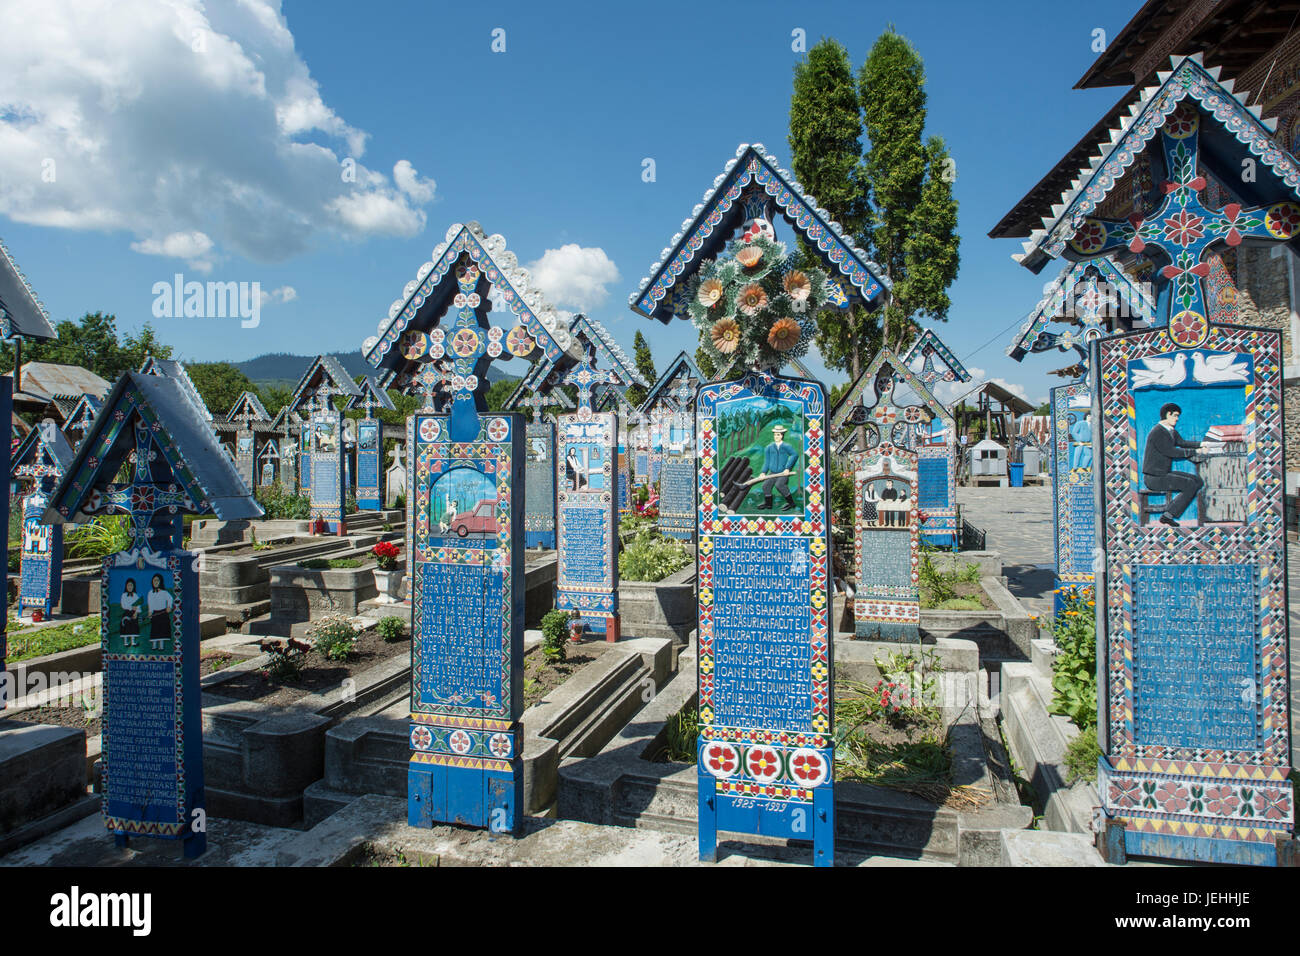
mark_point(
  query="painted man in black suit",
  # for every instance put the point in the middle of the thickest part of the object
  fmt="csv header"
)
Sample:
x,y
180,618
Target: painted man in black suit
x,y
1164,447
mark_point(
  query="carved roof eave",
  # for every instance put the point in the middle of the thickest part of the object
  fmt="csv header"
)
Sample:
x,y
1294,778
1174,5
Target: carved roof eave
x,y
700,238
426,298
1253,135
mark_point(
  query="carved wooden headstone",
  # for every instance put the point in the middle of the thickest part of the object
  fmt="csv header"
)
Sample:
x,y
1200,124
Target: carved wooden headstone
x,y
370,443
152,778
41,460
322,457
586,578
886,602
1092,298
765,657
465,515
766,750
1195,707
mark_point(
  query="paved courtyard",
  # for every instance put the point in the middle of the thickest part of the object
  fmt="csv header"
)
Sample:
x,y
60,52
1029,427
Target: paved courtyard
x,y
1018,525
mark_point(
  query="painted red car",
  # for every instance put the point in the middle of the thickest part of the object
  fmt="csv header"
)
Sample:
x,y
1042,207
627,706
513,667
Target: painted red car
x,y
481,520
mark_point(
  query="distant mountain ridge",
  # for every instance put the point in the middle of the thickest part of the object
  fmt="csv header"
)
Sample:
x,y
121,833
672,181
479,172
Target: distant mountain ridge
x,y
284,367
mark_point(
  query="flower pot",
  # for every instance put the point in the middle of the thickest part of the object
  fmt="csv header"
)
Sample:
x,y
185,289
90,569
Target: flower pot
x,y
389,583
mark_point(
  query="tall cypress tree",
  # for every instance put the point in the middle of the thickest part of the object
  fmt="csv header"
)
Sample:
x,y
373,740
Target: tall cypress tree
x,y
825,147
894,198
912,228
645,364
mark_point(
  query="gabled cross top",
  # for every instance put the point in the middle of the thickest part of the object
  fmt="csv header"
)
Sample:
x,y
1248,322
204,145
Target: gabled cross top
x,y
1185,230
145,497
467,344
535,401
586,378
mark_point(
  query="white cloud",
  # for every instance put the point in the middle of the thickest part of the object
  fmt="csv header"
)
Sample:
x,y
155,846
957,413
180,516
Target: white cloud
x,y
286,293
191,246
409,182
179,118
574,275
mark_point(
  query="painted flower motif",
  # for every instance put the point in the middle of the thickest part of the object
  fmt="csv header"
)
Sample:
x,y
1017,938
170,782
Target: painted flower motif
x,y
784,334
1182,123
1221,801
808,767
1271,804
752,299
725,335
1171,797
1187,328
710,293
1183,228
1090,237
749,256
762,763
1283,220
797,286
721,759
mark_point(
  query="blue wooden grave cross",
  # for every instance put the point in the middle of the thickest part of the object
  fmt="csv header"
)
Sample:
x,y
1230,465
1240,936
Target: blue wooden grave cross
x,y
1185,230
153,505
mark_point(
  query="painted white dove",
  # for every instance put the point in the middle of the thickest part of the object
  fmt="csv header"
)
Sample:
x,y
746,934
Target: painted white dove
x,y
1208,369
1158,371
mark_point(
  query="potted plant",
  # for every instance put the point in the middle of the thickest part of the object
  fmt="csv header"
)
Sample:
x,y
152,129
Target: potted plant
x,y
388,580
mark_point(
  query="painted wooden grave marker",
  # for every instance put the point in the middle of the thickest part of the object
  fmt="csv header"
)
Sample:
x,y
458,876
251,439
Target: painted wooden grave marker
x,y
465,515
41,460
370,442
1098,298
766,746
322,454
586,577
1195,710
152,777
886,602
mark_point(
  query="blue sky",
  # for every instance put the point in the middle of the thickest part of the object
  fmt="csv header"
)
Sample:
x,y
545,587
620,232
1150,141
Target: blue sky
x,y
207,139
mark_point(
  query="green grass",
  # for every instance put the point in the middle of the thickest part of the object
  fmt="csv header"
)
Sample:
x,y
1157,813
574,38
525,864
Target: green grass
x,y
323,564
37,642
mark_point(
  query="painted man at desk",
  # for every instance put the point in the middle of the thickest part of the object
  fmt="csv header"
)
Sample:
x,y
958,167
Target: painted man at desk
x,y
1164,447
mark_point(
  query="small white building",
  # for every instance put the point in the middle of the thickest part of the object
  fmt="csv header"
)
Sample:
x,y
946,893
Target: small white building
x,y
988,459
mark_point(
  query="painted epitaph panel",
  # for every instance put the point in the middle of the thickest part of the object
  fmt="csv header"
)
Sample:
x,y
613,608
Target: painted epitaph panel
x,y
539,486
328,473
677,512
467,624
765,747
1196,732
42,557
368,465
1073,499
245,460
587,520
152,776
886,604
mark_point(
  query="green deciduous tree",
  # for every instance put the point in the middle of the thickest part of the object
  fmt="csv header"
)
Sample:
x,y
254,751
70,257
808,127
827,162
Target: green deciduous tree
x,y
92,342
219,383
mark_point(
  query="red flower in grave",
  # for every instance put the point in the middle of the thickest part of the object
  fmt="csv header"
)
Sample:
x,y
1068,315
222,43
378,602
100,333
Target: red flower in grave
x,y
1183,228
1171,797
1222,801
